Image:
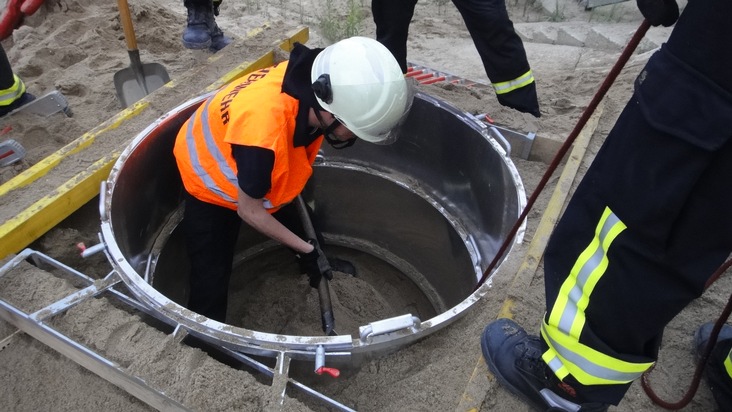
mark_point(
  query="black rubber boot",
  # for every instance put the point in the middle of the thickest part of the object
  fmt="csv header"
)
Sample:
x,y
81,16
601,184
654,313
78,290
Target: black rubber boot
x,y
718,379
514,358
197,34
218,40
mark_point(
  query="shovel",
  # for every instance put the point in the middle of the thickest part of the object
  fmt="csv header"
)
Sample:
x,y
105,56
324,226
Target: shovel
x,y
137,81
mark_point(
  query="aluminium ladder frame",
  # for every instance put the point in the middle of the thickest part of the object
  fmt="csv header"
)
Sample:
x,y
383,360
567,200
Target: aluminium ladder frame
x,y
34,325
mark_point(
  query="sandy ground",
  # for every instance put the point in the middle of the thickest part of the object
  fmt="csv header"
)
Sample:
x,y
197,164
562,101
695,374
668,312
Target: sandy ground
x,y
75,46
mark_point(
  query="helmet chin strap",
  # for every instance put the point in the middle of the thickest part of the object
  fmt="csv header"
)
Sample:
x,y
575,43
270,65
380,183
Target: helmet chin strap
x,y
328,132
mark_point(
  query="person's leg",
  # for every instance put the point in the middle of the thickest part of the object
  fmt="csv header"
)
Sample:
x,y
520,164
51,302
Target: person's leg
x,y
211,232
392,18
635,245
12,88
646,228
502,53
7,76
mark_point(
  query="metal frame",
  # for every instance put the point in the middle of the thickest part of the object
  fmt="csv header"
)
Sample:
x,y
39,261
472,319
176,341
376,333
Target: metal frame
x,y
511,139
34,324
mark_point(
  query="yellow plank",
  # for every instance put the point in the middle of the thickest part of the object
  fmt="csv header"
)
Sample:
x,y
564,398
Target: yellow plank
x,y
18,232
481,379
266,60
44,214
39,169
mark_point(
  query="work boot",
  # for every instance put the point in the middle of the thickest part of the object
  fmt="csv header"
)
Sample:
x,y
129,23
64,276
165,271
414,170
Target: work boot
x,y
218,40
514,357
718,379
197,34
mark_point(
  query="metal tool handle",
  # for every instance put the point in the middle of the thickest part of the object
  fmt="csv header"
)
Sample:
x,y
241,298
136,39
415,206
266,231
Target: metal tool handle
x,y
383,326
326,307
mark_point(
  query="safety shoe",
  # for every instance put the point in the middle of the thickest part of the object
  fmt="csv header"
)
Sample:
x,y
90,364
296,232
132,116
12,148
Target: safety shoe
x,y
197,34
718,379
514,357
218,40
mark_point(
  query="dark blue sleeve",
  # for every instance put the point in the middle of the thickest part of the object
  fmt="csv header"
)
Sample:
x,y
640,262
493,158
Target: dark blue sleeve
x,y
254,169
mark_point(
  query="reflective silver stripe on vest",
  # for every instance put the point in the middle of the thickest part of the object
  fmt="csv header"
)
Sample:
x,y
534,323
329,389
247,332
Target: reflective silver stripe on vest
x,y
215,152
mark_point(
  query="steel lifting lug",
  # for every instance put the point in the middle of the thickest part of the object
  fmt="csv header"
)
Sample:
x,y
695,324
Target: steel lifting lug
x,y
320,367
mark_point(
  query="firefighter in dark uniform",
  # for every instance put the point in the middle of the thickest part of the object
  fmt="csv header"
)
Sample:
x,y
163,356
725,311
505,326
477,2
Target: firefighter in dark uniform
x,y
646,229
500,48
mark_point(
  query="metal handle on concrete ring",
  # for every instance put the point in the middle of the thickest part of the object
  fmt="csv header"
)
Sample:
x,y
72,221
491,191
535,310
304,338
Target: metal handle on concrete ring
x,y
501,140
498,135
383,326
103,199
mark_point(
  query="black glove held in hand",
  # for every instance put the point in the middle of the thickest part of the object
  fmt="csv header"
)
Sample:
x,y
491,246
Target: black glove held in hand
x,y
315,265
659,12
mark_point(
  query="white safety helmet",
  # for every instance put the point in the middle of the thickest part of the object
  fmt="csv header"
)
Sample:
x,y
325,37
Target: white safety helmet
x,y
360,82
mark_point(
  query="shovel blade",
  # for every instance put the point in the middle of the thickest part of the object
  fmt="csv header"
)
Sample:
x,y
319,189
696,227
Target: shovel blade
x,y
134,83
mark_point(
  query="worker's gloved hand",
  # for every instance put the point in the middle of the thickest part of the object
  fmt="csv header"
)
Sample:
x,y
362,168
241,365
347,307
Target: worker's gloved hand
x,y
315,265
659,12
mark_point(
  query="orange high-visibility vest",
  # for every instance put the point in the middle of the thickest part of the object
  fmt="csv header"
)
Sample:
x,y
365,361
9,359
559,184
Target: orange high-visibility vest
x,y
252,111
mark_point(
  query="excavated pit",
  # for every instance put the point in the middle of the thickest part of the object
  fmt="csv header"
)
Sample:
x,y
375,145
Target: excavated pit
x,y
420,219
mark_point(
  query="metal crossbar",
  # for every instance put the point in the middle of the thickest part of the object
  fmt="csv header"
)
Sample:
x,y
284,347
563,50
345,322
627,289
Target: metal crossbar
x,y
34,324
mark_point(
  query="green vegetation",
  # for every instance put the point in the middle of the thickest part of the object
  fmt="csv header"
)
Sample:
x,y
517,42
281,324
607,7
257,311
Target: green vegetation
x,y
337,25
611,14
558,13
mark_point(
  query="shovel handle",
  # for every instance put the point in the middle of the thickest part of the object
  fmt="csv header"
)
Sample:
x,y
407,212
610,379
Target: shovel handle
x,y
126,19
326,307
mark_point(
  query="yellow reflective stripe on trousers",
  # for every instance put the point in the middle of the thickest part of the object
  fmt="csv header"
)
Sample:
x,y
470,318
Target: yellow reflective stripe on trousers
x,y
8,96
728,364
517,83
566,355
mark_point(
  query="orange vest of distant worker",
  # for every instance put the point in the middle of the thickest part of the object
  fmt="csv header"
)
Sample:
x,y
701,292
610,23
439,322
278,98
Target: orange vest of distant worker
x,y
252,111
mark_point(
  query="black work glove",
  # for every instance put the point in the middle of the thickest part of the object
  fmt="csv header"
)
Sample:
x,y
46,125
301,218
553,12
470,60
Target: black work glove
x,y
315,265
659,12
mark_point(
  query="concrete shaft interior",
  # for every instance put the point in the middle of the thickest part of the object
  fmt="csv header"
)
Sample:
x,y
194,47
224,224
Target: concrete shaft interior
x,y
421,219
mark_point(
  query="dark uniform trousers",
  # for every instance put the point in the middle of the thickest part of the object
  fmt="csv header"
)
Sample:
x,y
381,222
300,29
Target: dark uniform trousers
x,y
498,45
665,171
211,234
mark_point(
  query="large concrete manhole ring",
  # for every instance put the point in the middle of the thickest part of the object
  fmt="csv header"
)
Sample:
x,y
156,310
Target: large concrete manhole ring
x,y
421,219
